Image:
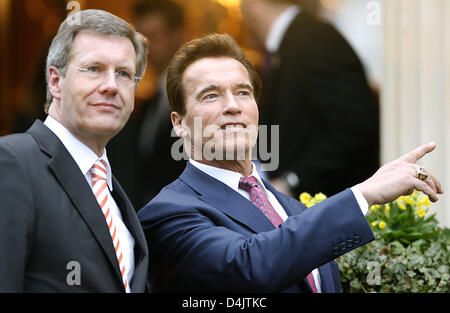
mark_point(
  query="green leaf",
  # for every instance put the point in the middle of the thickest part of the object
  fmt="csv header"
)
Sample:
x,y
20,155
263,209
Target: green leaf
x,y
414,254
396,248
355,284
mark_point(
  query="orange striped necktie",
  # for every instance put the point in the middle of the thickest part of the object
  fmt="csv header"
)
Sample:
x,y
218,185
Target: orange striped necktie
x,y
100,190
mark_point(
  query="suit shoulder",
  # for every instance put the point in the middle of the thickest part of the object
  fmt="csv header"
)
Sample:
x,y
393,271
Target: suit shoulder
x,y
312,26
14,139
175,198
321,38
19,143
21,146
21,156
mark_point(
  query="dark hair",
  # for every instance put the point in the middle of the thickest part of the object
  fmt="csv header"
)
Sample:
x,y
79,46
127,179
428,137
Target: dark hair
x,y
213,45
172,11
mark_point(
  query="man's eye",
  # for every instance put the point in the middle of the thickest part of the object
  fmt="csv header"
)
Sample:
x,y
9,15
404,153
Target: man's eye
x,y
93,69
210,96
244,93
123,74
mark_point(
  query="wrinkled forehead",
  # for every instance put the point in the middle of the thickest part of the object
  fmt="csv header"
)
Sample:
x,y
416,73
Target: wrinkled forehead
x,y
89,45
219,71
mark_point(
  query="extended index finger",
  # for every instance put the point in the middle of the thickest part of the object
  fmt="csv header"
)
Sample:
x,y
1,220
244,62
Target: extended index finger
x,y
416,154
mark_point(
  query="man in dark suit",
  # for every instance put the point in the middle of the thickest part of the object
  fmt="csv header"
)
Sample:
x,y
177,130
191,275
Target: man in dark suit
x,y
66,224
219,226
315,89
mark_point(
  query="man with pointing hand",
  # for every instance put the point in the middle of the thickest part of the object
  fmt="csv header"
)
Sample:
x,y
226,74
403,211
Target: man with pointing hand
x,y
219,227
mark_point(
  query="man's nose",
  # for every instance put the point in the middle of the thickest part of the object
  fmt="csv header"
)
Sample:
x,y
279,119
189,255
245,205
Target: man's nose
x,y
232,106
109,82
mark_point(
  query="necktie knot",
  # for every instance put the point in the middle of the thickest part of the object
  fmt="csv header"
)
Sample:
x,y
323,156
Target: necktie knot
x,y
259,199
247,183
98,170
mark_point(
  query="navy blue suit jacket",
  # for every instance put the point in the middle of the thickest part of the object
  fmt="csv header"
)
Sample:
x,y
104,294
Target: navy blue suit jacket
x,y
204,236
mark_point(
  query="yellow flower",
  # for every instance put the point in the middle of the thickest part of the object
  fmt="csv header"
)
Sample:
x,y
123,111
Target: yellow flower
x,y
319,197
409,200
374,207
421,212
387,209
305,197
402,206
425,201
382,225
373,224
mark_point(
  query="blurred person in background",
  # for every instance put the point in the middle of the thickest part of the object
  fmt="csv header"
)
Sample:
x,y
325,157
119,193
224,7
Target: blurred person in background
x,y
316,90
147,137
55,13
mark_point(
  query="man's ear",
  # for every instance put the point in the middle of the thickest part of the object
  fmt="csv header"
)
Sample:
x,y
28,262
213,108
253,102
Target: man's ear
x,y
177,123
54,79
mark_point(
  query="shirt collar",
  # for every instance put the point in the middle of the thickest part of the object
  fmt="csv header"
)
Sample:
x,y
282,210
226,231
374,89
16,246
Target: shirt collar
x,y
82,154
229,178
279,28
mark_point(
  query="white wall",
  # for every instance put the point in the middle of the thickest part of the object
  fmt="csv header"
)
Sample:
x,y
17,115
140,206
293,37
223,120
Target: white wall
x,y
407,55
415,102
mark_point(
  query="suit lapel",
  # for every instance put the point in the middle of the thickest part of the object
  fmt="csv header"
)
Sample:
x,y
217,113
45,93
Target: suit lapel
x,y
74,183
227,200
127,210
290,205
134,227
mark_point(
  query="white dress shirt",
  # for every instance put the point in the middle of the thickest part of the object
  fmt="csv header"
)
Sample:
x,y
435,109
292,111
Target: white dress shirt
x,y
231,179
85,158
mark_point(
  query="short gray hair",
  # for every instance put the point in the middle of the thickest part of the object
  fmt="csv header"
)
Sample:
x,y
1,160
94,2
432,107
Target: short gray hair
x,y
96,21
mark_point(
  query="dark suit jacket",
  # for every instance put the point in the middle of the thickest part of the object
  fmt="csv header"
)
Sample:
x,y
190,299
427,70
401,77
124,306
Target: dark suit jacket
x,y
204,236
50,217
329,120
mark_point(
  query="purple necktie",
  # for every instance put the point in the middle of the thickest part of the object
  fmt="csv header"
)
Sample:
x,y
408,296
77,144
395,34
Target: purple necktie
x,y
258,197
